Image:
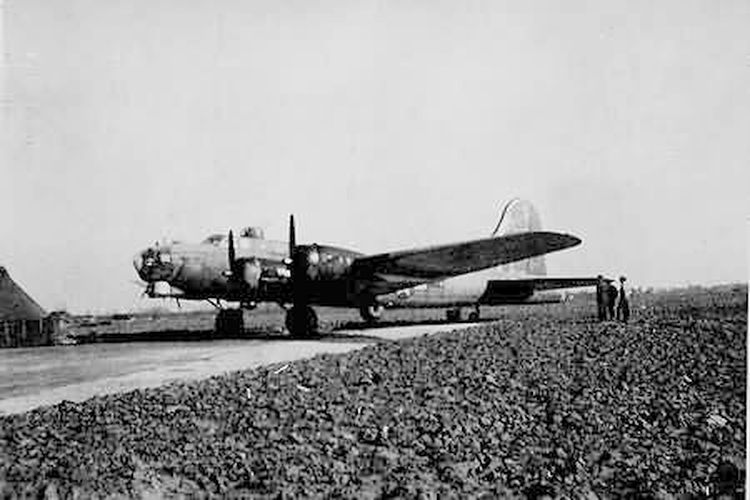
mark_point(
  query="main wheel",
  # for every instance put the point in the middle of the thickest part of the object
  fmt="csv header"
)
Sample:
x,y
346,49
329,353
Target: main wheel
x,y
301,321
474,315
230,322
371,312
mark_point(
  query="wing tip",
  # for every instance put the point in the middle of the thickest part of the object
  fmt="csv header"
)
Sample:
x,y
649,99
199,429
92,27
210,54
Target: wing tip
x,y
565,239
573,240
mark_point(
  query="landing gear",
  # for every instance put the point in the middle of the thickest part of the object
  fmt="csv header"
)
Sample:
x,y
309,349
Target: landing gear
x,y
453,314
371,312
474,315
301,321
230,322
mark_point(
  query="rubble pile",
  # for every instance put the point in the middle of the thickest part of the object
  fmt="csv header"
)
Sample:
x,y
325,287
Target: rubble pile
x,y
546,399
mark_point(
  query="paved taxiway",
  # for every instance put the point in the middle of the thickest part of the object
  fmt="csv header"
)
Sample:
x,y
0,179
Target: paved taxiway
x,y
33,377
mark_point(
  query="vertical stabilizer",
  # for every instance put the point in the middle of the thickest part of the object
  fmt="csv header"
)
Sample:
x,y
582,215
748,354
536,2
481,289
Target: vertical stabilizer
x,y
520,216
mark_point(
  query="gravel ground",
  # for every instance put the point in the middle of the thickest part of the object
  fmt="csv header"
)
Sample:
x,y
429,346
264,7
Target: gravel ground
x,y
544,398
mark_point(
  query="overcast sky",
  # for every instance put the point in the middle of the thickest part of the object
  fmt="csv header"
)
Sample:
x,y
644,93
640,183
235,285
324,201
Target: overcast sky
x,y
381,125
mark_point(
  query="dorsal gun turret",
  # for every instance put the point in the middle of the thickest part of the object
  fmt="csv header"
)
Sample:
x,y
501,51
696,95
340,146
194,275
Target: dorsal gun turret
x,y
254,232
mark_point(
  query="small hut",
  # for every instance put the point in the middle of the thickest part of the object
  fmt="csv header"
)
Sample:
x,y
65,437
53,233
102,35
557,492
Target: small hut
x,y
23,322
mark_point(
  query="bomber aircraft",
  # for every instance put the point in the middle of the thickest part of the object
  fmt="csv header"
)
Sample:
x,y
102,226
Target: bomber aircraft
x,y
506,267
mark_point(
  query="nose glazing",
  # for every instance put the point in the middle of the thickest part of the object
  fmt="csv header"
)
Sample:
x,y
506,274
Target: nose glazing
x,y
154,265
138,263
145,263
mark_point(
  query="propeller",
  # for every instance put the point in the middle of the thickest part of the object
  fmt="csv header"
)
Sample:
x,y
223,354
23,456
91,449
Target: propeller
x,y
300,258
296,286
243,272
235,266
292,236
232,255
291,261
302,265
302,262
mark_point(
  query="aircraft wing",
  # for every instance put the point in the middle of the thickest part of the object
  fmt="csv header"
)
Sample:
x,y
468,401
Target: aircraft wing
x,y
388,272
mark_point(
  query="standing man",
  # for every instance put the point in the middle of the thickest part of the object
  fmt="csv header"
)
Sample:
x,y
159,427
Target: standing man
x,y
623,306
601,298
611,300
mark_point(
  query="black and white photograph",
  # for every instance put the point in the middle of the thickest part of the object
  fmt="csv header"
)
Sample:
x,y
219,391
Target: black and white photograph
x,y
369,249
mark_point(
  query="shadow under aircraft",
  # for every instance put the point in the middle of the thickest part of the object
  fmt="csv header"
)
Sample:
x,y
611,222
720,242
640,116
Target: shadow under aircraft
x,y
506,268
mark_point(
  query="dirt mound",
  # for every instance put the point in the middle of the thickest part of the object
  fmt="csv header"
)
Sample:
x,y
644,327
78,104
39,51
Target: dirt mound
x,y
544,400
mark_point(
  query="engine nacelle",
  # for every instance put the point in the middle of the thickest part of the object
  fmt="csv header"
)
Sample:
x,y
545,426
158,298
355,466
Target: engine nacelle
x,y
245,278
251,274
319,264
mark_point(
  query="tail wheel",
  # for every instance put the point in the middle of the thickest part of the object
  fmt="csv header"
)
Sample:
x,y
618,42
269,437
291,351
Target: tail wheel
x,y
371,312
453,314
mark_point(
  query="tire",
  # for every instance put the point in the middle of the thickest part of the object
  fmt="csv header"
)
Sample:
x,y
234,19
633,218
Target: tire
x,y
301,321
230,322
371,312
453,314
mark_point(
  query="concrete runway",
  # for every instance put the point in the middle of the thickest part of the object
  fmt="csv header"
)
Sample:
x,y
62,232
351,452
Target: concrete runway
x,y
40,376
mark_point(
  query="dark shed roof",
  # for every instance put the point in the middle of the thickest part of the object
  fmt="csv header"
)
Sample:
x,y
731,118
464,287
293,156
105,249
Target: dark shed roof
x,y
14,302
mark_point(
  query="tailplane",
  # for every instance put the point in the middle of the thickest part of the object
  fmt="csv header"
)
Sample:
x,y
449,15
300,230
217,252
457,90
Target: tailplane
x,y
520,216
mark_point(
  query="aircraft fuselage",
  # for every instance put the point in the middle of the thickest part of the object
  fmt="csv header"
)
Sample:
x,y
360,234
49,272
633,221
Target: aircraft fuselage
x,y
507,267
201,271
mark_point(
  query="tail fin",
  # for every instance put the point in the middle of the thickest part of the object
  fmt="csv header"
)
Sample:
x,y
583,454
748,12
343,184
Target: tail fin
x,y
520,216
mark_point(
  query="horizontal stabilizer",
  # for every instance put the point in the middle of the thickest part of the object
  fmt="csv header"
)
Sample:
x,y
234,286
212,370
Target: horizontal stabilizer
x,y
538,284
522,291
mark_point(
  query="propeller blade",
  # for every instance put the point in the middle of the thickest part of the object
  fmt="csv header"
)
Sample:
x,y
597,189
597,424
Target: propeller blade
x,y
290,262
292,236
231,252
